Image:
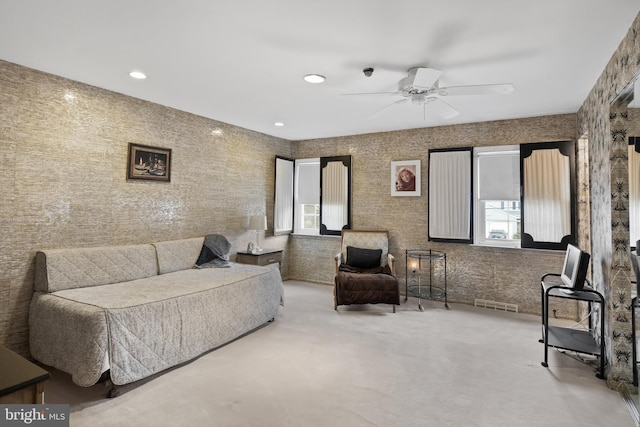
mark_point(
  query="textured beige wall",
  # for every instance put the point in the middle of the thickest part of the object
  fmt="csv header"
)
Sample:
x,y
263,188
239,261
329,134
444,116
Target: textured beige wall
x,y
610,240
506,275
63,150
63,183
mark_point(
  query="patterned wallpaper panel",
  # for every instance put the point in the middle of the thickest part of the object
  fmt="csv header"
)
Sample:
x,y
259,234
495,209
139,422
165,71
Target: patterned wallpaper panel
x,y
606,130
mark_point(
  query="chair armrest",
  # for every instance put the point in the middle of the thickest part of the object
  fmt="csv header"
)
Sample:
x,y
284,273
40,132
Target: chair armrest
x,y
338,259
391,260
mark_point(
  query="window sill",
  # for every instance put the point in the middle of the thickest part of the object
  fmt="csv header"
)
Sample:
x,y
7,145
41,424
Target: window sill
x,y
314,236
498,245
551,251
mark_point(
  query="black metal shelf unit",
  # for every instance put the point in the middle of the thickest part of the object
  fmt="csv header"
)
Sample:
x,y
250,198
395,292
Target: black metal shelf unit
x,y
579,340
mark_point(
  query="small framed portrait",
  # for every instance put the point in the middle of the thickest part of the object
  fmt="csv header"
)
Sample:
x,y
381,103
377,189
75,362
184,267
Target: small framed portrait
x,y
150,163
405,178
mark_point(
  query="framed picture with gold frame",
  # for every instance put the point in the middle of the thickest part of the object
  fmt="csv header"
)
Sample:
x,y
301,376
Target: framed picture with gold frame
x,y
149,163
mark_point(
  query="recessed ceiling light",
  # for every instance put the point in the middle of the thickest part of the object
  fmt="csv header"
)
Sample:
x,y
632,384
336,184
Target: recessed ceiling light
x,y
279,124
314,78
138,75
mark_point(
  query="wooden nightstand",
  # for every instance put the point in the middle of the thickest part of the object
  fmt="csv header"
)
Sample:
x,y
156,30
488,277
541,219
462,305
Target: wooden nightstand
x,y
20,380
265,257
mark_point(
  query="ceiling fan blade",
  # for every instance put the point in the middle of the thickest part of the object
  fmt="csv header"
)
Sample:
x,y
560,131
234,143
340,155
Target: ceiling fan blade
x,y
370,93
425,77
376,113
490,89
441,108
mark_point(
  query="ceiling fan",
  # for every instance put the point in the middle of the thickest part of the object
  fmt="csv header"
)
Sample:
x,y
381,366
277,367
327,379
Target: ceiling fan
x,y
421,87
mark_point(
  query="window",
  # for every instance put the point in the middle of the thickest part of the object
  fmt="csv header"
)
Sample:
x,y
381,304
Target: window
x,y
497,201
310,217
520,195
307,196
320,200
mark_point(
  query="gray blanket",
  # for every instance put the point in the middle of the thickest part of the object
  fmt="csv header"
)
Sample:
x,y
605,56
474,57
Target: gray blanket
x,y
215,252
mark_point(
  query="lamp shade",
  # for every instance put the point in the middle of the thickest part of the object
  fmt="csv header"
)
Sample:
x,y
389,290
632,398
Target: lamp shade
x,y
258,222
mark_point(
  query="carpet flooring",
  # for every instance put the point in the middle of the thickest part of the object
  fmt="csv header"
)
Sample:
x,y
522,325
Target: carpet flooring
x,y
365,366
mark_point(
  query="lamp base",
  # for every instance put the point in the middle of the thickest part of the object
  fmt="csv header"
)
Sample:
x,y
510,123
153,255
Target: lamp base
x,y
256,248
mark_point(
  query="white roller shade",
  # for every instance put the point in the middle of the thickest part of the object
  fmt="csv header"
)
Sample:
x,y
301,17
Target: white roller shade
x,y
499,175
309,183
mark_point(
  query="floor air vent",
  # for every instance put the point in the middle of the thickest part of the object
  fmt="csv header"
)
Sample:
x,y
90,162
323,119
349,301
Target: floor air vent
x,y
503,306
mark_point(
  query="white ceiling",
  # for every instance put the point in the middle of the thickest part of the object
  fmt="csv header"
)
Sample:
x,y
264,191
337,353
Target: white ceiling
x,y
242,62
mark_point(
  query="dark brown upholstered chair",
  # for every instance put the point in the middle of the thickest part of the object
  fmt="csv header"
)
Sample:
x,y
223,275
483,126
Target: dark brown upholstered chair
x,y
365,270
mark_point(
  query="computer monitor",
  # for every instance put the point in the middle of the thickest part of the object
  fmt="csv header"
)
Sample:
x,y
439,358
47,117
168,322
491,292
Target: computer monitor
x,y
574,269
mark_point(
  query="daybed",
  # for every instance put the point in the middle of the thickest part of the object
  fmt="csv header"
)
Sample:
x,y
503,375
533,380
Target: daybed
x,y
140,309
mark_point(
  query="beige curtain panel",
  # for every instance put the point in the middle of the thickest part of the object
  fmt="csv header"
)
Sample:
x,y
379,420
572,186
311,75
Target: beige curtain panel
x,y
449,190
547,195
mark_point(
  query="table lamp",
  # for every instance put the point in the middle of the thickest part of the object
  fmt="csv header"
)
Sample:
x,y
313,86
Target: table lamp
x,y
258,223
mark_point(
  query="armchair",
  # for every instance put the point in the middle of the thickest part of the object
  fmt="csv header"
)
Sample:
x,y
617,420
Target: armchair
x,y
365,270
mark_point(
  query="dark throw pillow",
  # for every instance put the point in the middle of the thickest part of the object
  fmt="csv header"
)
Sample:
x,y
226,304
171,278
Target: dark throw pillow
x,y
363,258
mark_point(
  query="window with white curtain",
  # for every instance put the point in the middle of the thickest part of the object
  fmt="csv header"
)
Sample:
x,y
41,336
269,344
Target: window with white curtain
x,y
335,206
548,194
313,195
283,198
450,204
506,196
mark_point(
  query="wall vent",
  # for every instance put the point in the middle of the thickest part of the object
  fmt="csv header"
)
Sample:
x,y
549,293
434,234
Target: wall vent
x,y
503,306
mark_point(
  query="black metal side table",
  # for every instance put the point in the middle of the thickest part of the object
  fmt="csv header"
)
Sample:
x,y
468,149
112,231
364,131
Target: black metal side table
x,y
416,261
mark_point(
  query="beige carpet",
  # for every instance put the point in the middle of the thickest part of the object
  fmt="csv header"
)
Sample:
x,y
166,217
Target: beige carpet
x,y
365,366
